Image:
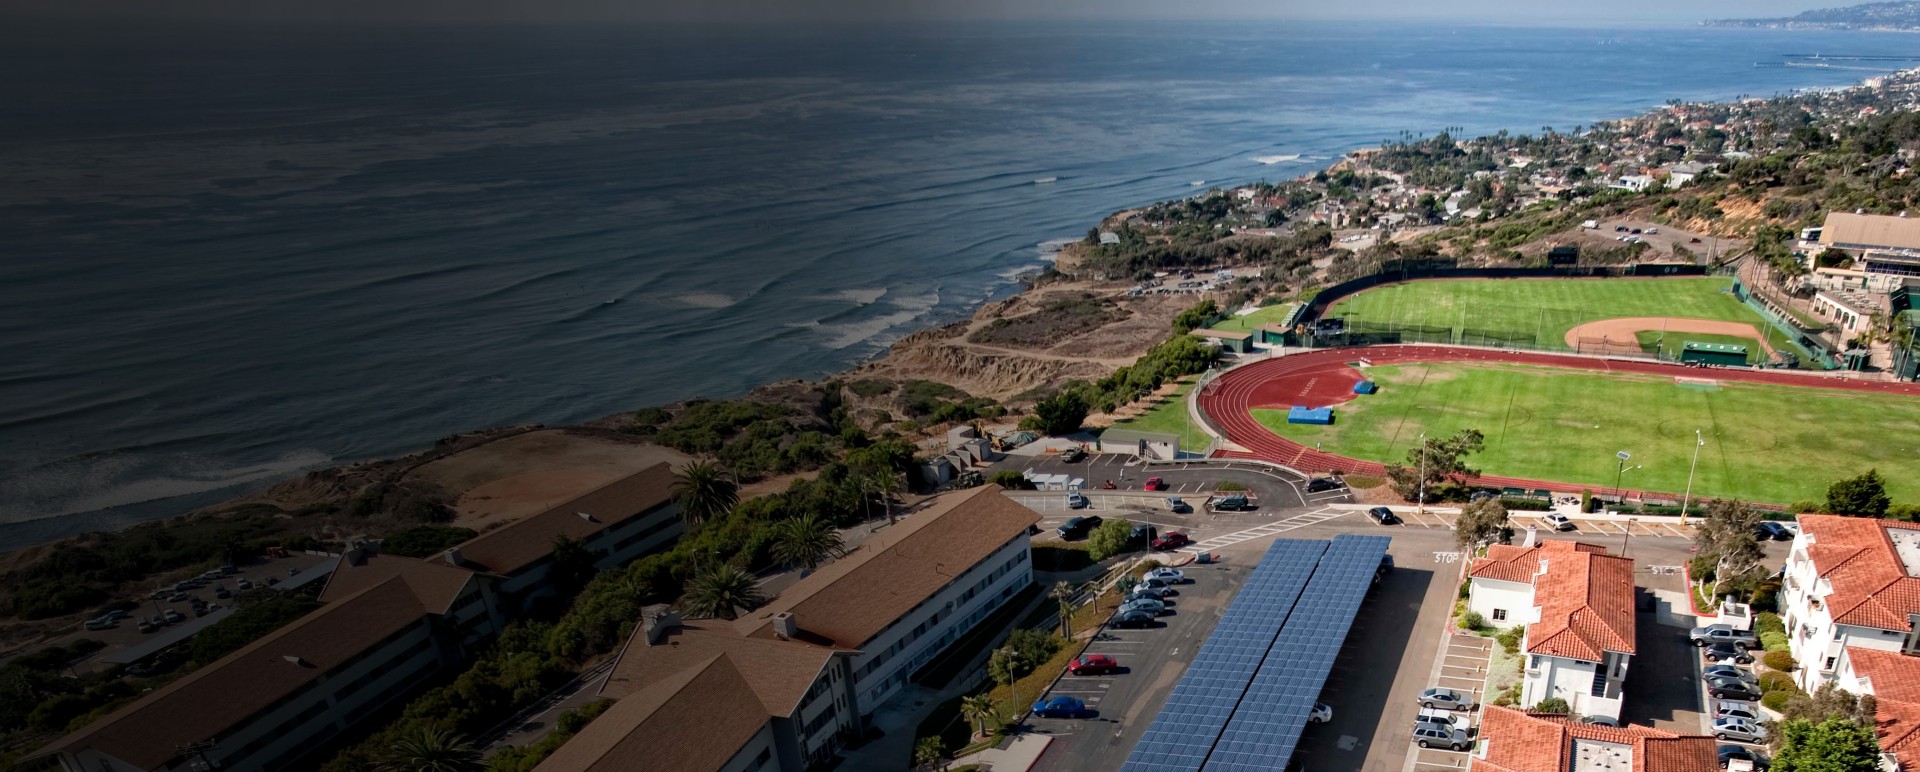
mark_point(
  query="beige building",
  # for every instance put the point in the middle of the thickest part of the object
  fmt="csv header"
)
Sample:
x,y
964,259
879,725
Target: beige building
x,y
1885,251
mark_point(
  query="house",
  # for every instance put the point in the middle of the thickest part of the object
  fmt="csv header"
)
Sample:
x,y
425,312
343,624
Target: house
x,y
388,626
1894,681
1577,604
1682,173
1850,583
619,522
1516,741
1634,182
1885,250
785,686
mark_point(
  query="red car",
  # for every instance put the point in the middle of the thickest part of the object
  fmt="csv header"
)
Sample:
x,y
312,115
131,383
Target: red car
x,y
1093,664
1171,540
1156,484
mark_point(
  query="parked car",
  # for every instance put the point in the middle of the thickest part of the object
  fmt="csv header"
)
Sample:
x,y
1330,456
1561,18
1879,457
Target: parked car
x,y
1073,455
1446,698
228,570
1156,583
1702,636
115,615
1482,495
1559,521
1093,664
1179,507
272,580
1383,516
1768,529
1321,484
1075,500
1745,711
1434,735
1600,721
1131,619
1231,503
1078,527
222,592
1723,652
1386,567
1167,574
1322,713
1653,231
1732,689
1155,593
1059,706
1149,605
1156,484
243,583
178,597
1739,730
147,626
1171,540
1141,532
100,624
1728,671
173,617
1620,229
1731,753
1442,716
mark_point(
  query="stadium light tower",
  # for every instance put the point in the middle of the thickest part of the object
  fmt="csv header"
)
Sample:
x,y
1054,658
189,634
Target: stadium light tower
x,y
1698,443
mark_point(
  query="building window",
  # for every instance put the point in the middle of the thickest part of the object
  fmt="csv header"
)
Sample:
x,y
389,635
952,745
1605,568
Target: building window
x,y
1499,615
1830,661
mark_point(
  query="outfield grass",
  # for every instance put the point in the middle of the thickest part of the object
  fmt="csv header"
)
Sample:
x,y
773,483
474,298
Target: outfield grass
x,y
1670,344
1274,314
1170,417
1773,444
1547,308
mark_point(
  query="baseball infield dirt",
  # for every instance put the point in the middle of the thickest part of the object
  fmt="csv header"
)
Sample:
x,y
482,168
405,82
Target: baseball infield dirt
x,y
1623,330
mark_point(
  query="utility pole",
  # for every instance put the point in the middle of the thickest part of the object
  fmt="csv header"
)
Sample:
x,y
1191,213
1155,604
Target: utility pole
x,y
1698,443
1628,537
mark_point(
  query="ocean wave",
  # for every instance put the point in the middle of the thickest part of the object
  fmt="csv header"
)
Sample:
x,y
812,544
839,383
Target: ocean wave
x,y
1274,159
865,296
117,480
712,300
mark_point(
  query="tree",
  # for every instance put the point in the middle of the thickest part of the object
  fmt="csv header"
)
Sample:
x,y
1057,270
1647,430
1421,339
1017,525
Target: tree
x,y
1109,539
1553,705
1833,745
430,750
1063,595
721,592
704,492
1481,522
573,566
1863,496
1195,317
1011,480
980,711
928,752
807,542
1003,667
883,484
1725,537
1059,414
1441,459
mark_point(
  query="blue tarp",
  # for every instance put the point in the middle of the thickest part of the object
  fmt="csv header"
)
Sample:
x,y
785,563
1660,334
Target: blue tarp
x,y
1308,415
1365,387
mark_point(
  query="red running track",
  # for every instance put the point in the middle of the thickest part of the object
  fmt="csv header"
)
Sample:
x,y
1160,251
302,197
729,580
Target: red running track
x,y
1310,380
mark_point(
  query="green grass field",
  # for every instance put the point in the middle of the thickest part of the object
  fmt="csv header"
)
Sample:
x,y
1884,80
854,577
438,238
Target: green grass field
x,y
1268,315
1670,344
1765,443
1546,308
1170,417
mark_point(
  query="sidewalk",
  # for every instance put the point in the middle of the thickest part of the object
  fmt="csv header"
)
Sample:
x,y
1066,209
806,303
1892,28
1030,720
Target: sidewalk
x,y
1019,756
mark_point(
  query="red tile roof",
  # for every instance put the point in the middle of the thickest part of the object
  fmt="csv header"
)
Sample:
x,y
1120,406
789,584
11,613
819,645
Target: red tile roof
x,y
524,542
1895,681
1539,742
1585,596
1871,587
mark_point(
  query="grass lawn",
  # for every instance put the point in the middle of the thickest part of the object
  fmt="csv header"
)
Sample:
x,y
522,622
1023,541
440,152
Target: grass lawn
x,y
1773,444
1274,314
1170,417
1652,341
1547,308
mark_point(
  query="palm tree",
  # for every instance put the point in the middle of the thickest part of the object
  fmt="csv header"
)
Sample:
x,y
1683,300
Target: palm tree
x,y
980,711
431,750
884,484
703,492
807,542
722,591
1063,594
928,752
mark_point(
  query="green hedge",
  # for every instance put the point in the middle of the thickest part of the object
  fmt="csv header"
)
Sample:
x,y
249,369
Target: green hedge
x,y
1773,642
1769,622
1777,682
1778,660
1776,701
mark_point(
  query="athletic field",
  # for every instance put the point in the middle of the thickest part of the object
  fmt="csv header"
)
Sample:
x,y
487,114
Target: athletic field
x,y
1774,444
1543,310
1670,344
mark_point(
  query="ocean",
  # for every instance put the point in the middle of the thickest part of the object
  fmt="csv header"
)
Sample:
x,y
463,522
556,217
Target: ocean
x,y
233,253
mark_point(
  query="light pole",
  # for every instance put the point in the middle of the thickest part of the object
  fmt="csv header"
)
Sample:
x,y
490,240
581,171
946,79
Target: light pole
x,y
1698,443
1619,470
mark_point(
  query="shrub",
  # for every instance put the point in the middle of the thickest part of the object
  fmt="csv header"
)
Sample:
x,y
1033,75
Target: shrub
x,y
1230,486
1472,621
1466,590
1773,642
1803,507
1777,682
1508,698
1525,504
1011,480
1778,660
1769,622
1586,501
1510,638
1776,701
1358,481
1111,538
1553,705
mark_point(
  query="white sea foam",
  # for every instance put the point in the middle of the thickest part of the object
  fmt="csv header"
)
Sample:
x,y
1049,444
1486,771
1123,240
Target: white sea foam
x,y
117,481
1274,159
860,295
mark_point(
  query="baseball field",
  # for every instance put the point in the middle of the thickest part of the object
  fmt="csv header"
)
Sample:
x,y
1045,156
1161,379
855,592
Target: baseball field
x,y
1540,313
1767,443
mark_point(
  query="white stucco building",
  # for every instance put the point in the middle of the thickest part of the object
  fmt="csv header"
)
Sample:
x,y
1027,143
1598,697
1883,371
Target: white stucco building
x,y
1850,583
1576,602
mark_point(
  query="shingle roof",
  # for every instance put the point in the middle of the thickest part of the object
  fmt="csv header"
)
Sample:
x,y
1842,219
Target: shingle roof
x,y
1585,597
852,599
221,696
690,721
1875,229
524,542
1538,742
1870,583
780,671
437,585
1895,681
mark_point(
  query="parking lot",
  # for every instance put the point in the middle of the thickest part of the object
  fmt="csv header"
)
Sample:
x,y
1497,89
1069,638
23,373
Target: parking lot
x,y
1463,668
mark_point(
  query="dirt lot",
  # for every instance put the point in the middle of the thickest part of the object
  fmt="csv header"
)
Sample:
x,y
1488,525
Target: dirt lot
x,y
525,474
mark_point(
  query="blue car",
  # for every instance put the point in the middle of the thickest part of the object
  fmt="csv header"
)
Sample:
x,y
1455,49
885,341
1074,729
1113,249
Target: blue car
x,y
1060,706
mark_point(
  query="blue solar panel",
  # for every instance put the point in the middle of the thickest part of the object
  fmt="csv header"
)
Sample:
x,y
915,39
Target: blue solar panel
x,y
1266,725
1200,705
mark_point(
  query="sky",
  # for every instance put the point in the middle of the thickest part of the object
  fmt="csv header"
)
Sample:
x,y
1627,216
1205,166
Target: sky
x,y
1611,12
